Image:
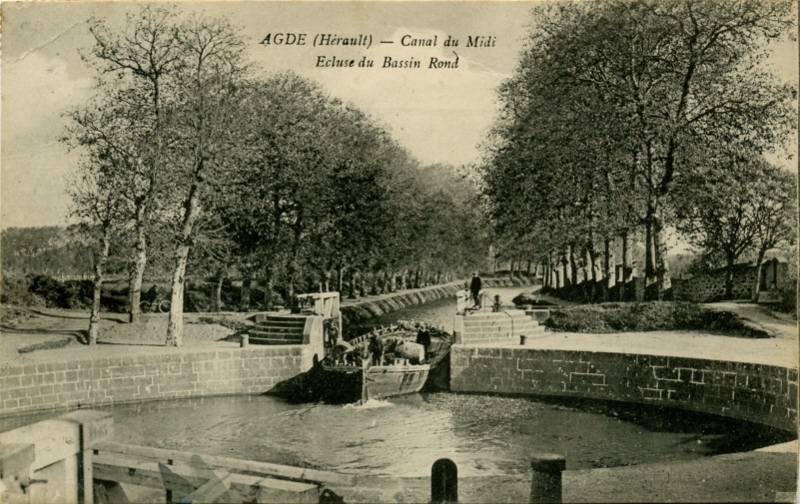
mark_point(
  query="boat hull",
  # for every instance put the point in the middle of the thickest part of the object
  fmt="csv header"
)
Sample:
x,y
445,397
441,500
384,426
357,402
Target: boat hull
x,y
345,384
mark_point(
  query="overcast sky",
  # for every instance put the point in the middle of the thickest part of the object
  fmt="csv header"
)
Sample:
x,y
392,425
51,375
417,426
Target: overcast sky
x,y
438,115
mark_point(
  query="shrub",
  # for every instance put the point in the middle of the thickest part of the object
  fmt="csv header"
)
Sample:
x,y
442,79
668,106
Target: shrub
x,y
788,298
16,290
10,314
651,316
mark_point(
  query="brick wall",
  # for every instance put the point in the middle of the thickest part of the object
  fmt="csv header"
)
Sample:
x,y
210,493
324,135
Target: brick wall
x,y
186,373
754,392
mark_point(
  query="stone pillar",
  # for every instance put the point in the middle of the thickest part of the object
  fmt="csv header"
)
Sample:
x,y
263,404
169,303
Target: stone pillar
x,y
546,480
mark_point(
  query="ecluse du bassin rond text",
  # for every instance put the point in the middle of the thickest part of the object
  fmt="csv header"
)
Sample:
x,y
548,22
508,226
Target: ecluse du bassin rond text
x,y
366,41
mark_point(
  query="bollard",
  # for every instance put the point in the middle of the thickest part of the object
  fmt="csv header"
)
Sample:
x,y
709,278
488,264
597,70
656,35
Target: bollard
x,y
522,339
546,480
444,481
245,340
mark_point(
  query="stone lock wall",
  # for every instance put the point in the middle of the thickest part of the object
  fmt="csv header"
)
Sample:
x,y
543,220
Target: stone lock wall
x,y
98,381
711,286
368,308
759,393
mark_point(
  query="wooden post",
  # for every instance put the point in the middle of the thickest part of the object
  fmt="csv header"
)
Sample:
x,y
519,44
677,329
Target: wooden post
x,y
546,481
444,481
245,340
94,426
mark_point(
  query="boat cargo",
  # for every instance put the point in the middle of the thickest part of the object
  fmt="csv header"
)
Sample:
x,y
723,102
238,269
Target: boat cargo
x,y
401,359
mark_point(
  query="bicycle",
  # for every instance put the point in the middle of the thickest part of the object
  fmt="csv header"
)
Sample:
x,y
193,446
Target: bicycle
x,y
157,306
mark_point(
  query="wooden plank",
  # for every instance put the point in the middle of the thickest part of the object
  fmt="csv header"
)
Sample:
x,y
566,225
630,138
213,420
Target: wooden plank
x,y
209,491
95,426
15,462
265,468
183,479
256,489
54,440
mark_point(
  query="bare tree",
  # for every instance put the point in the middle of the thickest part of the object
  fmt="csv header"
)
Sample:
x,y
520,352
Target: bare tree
x,y
146,53
204,129
96,191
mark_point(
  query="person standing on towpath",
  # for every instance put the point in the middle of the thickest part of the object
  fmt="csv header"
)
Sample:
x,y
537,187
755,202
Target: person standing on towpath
x,y
475,288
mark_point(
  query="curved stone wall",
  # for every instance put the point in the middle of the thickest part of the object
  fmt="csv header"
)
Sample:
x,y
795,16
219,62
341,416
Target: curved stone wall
x,y
754,392
170,374
366,309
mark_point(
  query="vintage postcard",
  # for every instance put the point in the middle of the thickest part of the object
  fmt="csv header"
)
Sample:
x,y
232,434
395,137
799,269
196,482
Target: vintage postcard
x,y
390,251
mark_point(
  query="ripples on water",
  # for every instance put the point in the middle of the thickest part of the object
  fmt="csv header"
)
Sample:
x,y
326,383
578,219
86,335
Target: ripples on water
x,y
484,435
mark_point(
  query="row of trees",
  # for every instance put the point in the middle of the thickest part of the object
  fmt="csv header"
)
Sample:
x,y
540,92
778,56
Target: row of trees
x,y
627,118
188,149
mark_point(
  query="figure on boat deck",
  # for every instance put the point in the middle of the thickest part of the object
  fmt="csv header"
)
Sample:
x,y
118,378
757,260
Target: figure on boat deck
x,y
424,339
377,349
330,335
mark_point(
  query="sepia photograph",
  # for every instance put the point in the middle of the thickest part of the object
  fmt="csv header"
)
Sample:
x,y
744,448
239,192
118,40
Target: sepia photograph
x,y
533,251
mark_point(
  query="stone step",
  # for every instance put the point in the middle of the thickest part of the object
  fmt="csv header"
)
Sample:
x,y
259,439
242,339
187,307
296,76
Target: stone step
x,y
518,329
285,320
280,328
504,328
509,323
270,341
273,335
494,315
506,321
500,336
490,341
508,326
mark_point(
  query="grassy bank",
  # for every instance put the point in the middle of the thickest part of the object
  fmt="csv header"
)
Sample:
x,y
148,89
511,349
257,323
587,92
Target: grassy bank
x,y
649,316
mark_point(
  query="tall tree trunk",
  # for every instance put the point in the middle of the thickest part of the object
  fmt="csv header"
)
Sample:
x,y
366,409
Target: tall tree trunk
x,y
97,287
137,270
216,292
586,273
663,281
340,279
175,323
244,299
730,261
757,287
290,288
269,289
650,266
393,282
626,265
361,290
567,267
352,287
591,274
561,272
546,276
610,269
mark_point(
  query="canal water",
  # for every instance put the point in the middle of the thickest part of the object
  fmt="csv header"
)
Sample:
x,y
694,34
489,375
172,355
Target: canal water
x,y
402,437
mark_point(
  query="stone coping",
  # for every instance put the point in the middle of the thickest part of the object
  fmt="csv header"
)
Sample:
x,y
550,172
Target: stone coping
x,y
693,344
